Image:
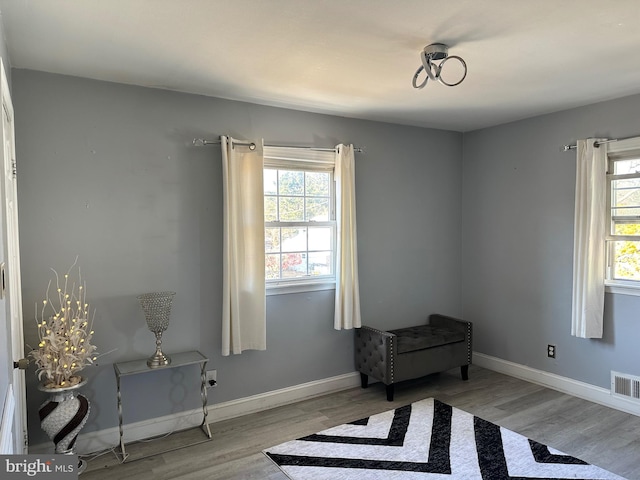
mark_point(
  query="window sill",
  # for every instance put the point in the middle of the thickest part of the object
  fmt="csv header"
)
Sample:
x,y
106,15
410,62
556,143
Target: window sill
x,y
622,288
299,287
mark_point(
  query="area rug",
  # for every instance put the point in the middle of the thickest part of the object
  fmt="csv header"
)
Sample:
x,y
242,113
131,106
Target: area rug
x,y
427,440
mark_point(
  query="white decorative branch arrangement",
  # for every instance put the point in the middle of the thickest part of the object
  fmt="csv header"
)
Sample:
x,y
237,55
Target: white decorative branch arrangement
x,y
65,332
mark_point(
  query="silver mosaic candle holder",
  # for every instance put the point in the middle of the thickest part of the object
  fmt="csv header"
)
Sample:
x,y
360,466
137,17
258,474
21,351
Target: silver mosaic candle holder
x,y
157,310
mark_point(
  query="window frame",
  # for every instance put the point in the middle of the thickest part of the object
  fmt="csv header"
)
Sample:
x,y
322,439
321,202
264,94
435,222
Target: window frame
x,y
306,160
617,151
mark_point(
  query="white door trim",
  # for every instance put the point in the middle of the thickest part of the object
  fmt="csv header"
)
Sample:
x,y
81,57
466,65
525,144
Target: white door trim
x,y
13,283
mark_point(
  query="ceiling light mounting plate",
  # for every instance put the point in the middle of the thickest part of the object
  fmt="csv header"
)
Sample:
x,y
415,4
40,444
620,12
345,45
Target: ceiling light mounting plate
x,y
437,51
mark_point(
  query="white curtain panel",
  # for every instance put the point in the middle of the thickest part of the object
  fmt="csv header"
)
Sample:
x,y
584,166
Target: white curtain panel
x,y
589,240
243,290
347,307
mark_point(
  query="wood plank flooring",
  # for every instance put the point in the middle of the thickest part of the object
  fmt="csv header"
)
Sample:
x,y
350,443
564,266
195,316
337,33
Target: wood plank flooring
x,y
599,435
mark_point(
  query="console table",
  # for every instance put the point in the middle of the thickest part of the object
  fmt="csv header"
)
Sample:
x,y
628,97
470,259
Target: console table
x,y
139,367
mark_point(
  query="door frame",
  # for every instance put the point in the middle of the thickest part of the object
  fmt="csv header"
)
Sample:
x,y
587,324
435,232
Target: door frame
x,y
12,279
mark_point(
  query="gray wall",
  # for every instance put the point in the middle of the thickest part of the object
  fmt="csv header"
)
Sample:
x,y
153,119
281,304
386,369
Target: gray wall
x,y
107,172
518,197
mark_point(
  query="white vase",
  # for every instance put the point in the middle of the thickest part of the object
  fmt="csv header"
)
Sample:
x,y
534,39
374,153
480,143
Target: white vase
x,y
62,417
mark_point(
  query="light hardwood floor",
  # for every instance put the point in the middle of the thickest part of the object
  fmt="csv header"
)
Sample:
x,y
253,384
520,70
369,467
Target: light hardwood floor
x,y
599,435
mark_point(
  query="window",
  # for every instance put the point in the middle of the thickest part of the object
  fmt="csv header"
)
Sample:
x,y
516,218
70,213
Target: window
x,y
299,215
623,237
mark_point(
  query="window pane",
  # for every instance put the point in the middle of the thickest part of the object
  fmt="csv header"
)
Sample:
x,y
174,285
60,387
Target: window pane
x,y
272,240
291,182
291,209
320,263
622,167
318,183
306,249
270,181
294,239
627,260
320,238
270,209
272,266
626,197
627,228
294,265
318,209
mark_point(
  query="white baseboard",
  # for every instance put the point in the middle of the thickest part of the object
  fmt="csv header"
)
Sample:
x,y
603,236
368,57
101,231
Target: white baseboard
x,y
108,438
583,390
285,396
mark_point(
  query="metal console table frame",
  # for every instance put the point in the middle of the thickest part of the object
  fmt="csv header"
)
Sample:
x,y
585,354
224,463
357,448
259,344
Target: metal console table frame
x,y
137,367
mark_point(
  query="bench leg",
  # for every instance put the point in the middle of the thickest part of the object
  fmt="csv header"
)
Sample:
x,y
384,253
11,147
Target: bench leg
x,y
364,380
390,391
464,370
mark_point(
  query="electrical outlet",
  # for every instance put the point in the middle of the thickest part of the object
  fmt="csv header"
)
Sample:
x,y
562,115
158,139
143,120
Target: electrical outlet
x,y
212,378
551,351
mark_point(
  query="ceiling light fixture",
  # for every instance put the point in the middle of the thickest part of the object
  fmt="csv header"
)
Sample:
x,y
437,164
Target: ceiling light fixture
x,y
431,54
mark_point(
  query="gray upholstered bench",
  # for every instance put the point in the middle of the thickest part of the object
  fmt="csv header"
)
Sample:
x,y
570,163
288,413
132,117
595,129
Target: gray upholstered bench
x,y
413,352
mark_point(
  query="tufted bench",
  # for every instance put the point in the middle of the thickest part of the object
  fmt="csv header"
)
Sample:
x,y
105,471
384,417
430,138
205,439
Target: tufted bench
x,y
413,352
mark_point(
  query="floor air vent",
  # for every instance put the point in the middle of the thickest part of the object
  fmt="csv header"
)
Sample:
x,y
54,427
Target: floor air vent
x,y
627,386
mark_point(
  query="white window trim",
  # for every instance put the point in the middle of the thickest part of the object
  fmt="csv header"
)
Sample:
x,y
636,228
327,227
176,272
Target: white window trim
x,y
622,287
296,158
299,286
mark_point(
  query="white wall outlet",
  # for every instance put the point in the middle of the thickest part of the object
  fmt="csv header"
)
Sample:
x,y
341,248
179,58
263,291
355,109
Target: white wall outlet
x,y
551,351
212,378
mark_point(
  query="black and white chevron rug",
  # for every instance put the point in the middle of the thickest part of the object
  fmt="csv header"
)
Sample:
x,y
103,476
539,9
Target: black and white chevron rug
x,y
427,440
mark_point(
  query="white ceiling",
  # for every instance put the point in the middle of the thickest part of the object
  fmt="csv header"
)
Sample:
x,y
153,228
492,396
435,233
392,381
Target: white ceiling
x,y
354,58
